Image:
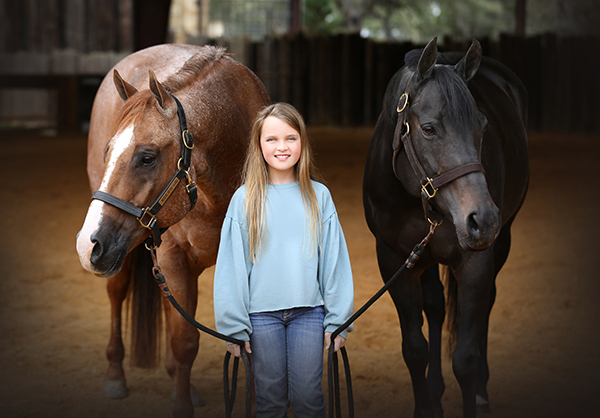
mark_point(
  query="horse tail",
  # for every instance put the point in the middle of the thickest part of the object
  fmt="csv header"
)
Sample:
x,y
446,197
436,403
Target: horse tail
x,y
452,311
145,308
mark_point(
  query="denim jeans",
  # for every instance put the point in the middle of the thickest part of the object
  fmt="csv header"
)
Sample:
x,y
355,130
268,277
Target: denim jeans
x,y
287,362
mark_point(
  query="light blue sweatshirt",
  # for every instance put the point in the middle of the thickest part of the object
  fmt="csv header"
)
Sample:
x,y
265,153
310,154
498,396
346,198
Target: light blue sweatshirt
x,y
288,273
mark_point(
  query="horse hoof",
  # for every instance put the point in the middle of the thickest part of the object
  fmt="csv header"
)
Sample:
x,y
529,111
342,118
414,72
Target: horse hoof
x,y
482,405
115,389
196,399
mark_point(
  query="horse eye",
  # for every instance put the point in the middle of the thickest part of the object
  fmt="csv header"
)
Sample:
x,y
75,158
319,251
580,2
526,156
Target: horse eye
x,y
428,130
148,160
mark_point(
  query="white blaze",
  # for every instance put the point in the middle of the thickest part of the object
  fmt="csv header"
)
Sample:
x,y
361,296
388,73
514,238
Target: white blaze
x,y
121,143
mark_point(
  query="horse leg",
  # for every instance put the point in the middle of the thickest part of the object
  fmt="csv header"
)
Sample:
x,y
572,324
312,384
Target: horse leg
x,y
482,402
501,250
408,298
170,364
475,279
434,307
114,385
184,338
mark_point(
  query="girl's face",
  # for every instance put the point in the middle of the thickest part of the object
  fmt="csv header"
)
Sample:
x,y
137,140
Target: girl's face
x,y
281,147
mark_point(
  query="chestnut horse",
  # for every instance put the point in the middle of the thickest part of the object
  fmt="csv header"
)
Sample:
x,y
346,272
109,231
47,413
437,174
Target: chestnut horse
x,y
135,145
451,145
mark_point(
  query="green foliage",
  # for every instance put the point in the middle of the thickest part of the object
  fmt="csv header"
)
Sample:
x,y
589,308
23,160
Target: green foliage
x,y
321,17
467,19
415,20
420,20
564,17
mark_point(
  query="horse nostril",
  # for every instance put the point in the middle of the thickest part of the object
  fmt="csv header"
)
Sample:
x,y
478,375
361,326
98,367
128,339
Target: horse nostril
x,y
98,249
472,224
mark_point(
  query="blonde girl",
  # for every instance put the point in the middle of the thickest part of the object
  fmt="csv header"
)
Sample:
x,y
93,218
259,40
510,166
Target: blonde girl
x,y
283,281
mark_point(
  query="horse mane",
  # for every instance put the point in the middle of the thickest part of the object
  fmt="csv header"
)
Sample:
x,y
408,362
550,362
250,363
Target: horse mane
x,y
453,88
196,65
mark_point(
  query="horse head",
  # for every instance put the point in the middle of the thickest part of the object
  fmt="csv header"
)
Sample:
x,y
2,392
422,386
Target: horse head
x,y
139,161
442,130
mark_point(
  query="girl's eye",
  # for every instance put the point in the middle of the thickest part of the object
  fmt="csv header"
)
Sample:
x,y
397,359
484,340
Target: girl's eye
x,y
428,130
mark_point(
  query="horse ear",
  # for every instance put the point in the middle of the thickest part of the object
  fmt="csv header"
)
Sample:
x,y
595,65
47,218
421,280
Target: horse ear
x,y
159,91
427,60
125,89
469,64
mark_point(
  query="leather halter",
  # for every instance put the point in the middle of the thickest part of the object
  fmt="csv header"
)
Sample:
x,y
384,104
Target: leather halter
x,y
429,186
147,216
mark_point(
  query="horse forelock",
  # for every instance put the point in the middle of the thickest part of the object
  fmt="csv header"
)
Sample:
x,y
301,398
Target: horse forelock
x,y
458,99
196,66
454,90
134,108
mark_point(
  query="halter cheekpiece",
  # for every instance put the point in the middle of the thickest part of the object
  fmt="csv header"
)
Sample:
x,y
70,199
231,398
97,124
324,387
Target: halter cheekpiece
x,y
147,216
429,186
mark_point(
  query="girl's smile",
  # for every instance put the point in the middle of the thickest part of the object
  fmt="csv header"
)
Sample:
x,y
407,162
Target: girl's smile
x,y
281,147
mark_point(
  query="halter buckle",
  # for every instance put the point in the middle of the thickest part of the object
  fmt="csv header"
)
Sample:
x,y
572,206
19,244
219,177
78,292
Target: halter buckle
x,y
427,192
184,135
190,182
151,220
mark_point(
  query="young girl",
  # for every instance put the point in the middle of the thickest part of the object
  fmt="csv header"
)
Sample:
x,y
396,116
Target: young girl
x,y
283,281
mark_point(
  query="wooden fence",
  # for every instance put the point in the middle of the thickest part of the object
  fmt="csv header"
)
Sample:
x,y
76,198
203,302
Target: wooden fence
x,y
337,80
341,80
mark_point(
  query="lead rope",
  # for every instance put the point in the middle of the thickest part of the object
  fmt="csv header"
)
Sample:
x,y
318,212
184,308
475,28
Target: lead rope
x,y
229,393
332,362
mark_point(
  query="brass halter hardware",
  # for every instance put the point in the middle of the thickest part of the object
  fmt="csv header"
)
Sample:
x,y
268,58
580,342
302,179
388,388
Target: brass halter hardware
x,y
430,195
405,95
184,137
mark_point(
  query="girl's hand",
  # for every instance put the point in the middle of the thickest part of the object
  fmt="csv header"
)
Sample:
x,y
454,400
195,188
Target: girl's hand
x,y
338,343
235,349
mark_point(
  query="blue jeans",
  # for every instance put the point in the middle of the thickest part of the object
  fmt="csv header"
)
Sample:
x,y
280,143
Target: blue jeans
x,y
287,362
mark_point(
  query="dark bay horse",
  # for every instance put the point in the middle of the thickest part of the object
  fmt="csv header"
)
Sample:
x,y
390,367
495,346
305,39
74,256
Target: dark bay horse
x,y
451,145
135,145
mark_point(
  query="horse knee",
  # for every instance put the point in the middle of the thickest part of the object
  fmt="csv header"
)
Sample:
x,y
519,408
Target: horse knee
x,y
466,364
415,352
185,348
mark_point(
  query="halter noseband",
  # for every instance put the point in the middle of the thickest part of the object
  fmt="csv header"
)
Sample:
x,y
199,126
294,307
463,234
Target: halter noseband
x,y
429,186
147,216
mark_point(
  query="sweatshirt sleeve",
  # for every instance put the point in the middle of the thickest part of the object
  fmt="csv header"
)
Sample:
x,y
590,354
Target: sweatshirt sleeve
x,y
231,288
335,276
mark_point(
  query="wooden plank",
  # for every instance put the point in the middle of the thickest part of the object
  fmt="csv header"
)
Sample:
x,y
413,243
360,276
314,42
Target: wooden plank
x,y
299,58
68,104
336,85
67,94
284,69
549,100
151,20
125,38
314,107
12,37
74,25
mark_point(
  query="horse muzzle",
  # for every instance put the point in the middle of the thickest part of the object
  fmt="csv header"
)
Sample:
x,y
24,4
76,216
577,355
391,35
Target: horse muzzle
x,y
479,228
101,244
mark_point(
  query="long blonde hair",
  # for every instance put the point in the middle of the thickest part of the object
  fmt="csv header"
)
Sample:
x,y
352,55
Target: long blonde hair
x,y
256,178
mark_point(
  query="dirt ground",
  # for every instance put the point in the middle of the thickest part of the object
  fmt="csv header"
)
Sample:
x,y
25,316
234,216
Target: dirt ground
x,y
54,316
